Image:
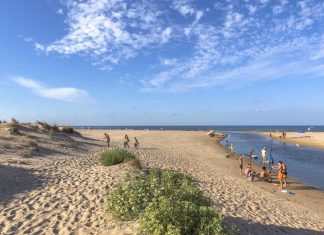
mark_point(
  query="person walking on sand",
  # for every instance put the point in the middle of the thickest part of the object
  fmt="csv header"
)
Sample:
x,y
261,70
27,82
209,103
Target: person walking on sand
x,y
126,143
264,155
107,139
232,147
136,144
241,164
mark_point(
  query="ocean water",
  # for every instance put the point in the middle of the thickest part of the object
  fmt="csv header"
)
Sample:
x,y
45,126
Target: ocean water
x,y
304,164
219,128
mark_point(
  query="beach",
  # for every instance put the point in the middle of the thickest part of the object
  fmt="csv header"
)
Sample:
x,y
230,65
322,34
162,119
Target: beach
x,y
307,139
62,188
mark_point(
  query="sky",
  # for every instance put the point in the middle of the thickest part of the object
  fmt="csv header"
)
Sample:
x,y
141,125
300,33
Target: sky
x,y
162,62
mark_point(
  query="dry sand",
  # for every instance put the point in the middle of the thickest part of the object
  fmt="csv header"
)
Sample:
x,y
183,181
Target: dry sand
x,y
309,139
63,190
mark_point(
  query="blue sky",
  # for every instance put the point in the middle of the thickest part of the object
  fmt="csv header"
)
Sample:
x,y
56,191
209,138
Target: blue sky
x,y
167,62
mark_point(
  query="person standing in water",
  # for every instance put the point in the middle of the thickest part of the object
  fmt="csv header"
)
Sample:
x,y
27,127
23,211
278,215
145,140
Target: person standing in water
x,y
241,164
232,147
285,174
282,174
251,153
270,162
126,143
136,144
107,139
264,155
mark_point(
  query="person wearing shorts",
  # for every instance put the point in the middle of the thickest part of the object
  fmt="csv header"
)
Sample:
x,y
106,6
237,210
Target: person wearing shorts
x,y
241,164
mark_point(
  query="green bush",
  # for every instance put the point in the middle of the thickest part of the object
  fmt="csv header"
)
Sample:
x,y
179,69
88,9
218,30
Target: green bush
x,y
55,128
166,203
13,131
166,216
68,130
116,156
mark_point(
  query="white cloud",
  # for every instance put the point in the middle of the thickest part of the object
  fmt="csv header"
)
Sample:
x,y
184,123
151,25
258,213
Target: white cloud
x,y
233,36
184,7
108,31
287,60
166,34
60,11
169,61
69,94
252,9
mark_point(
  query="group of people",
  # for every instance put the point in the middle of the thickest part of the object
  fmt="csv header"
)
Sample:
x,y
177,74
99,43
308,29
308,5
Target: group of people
x,y
283,135
126,142
265,175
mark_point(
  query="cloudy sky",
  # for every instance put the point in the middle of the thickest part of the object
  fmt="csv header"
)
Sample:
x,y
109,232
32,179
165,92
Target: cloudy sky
x,y
166,62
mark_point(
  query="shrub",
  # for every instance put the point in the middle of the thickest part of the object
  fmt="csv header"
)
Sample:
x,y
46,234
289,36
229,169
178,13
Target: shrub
x,y
45,125
68,130
166,203
13,131
55,128
116,156
165,216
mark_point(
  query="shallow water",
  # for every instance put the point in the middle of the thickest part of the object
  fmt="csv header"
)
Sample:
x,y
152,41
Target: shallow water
x,y
303,163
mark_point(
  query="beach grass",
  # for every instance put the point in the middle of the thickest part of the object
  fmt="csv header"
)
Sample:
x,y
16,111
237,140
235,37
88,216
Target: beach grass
x,y
68,130
116,156
166,203
13,131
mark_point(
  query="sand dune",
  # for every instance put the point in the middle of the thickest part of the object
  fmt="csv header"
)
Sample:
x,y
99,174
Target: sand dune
x,y
65,192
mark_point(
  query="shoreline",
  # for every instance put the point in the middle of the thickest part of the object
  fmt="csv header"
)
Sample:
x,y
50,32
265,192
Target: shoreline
x,y
308,139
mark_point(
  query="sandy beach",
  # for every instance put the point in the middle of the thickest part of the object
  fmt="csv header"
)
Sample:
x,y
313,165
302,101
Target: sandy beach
x,y
59,186
308,139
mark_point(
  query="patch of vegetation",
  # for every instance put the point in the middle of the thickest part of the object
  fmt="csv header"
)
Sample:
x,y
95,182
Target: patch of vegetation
x,y
32,143
166,203
13,131
116,156
68,130
55,128
45,125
